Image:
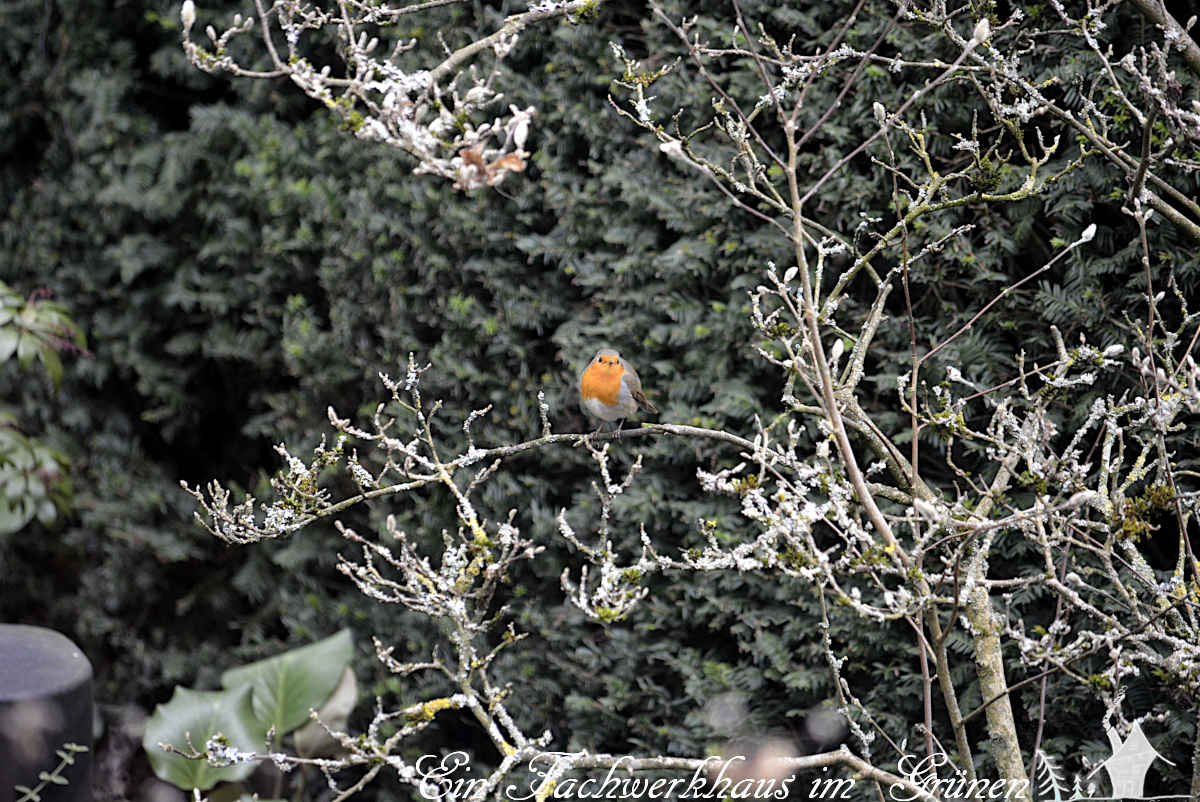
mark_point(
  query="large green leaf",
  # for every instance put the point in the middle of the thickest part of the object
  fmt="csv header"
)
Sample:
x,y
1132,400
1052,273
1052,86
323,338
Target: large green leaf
x,y
313,740
196,716
287,686
9,337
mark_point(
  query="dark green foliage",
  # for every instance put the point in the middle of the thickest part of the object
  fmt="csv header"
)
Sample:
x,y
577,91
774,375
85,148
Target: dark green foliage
x,y
33,474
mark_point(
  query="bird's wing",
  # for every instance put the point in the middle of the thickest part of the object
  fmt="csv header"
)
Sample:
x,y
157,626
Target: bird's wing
x,y
631,378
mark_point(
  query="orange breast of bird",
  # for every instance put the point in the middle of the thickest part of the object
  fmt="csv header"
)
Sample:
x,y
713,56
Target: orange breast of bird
x,y
602,382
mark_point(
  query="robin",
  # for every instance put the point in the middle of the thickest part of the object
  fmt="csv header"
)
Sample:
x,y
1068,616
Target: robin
x,y
609,388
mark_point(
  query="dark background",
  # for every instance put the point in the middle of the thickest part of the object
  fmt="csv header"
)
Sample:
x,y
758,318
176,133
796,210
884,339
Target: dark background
x,y
239,265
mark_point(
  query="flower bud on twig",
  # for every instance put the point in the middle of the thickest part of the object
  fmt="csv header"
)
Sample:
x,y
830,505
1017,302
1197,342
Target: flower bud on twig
x,y
983,30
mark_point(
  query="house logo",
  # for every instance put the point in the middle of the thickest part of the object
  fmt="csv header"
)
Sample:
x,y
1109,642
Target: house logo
x,y
1126,771
1129,763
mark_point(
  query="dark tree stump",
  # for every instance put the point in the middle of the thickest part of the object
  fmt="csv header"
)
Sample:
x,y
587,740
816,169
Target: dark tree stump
x,y
45,702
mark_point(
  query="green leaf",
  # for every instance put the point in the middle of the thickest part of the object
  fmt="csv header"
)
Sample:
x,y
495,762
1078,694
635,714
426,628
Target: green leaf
x,y
8,342
196,716
312,740
12,516
53,365
288,685
27,349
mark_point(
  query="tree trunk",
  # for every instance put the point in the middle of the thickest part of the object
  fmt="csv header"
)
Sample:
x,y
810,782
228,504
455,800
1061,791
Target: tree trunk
x,y
989,664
